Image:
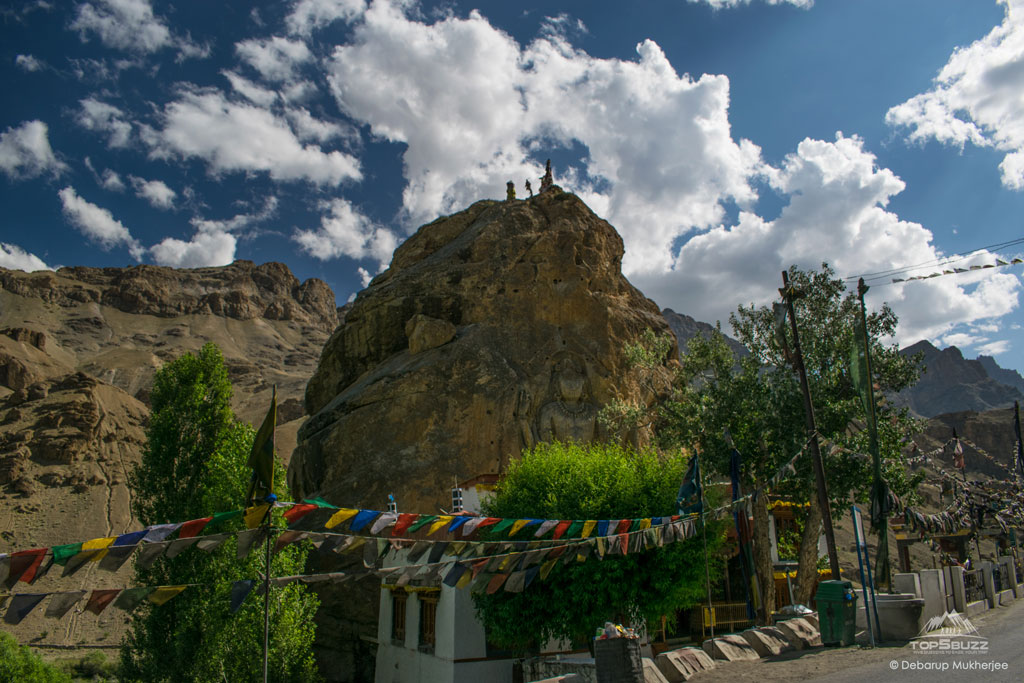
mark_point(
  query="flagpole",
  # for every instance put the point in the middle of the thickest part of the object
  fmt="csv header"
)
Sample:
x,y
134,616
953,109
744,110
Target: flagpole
x,y
789,293
884,563
266,578
266,594
707,570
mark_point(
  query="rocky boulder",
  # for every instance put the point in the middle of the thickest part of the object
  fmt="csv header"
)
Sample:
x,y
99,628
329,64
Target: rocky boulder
x,y
493,329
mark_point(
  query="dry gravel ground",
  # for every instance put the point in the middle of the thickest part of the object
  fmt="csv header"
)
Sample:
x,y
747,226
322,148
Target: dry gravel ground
x,y
1004,627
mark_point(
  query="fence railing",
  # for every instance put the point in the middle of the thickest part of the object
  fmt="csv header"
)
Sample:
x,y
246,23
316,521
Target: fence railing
x,y
974,589
1001,577
726,616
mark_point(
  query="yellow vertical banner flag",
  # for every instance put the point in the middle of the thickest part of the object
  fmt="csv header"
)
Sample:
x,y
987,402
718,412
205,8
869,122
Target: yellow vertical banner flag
x,y
261,458
254,515
588,527
164,593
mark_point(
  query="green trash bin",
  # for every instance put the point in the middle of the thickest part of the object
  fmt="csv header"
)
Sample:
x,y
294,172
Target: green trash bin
x,y
837,612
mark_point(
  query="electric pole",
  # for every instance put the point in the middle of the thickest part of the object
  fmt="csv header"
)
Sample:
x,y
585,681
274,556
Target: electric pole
x,y
789,294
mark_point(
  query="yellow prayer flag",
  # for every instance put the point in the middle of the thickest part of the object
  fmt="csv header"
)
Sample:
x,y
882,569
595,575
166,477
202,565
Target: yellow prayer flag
x,y
358,543
164,593
588,526
546,568
439,522
645,524
254,515
100,544
505,562
342,515
519,524
464,580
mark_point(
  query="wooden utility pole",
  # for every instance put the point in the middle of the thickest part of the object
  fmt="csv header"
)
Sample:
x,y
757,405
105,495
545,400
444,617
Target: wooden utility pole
x,y
883,564
790,293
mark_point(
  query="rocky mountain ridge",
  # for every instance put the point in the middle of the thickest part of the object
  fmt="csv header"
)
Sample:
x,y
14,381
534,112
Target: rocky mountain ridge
x,y
78,351
686,328
951,383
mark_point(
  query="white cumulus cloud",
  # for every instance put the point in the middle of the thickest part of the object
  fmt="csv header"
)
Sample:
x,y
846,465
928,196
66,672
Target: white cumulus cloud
x,y
105,118
729,4
29,63
131,26
836,214
25,152
156,192
474,108
213,248
976,98
308,15
15,258
98,223
276,58
249,90
123,24
238,137
112,181
345,231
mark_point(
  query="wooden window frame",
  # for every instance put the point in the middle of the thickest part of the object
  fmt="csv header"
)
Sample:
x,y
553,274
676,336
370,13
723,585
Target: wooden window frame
x,y
399,610
428,621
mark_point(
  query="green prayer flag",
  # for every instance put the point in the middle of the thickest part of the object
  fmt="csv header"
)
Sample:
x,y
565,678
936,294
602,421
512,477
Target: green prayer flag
x,y
320,503
503,525
261,458
221,517
421,522
574,528
63,553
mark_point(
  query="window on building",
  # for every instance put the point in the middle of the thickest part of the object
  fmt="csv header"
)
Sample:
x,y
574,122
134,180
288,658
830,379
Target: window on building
x,y
398,599
428,620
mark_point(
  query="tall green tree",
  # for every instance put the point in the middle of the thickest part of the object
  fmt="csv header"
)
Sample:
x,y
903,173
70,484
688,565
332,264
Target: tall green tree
x,y
194,465
596,481
758,399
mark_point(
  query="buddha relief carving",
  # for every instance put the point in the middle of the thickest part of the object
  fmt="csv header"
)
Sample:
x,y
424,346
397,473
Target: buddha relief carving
x,y
570,416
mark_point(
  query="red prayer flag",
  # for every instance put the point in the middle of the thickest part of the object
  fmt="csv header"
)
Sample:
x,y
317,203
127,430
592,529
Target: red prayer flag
x,y
405,520
488,521
25,565
99,600
623,526
297,512
624,543
192,528
561,528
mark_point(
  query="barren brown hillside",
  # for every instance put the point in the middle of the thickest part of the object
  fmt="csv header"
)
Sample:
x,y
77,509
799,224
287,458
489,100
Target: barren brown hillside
x,y
78,350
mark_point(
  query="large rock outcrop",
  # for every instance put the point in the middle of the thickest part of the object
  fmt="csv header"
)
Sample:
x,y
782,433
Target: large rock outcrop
x,y
493,328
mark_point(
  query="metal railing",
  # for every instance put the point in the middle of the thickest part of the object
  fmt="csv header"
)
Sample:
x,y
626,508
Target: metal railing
x,y
1001,577
974,588
727,617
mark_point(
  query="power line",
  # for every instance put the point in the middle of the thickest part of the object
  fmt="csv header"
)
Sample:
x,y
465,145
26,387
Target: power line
x,y
945,260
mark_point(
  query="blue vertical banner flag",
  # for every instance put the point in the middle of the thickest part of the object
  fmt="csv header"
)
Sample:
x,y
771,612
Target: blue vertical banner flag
x,y
690,499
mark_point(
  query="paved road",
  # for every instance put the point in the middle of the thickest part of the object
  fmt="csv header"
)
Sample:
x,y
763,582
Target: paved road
x,y
1002,661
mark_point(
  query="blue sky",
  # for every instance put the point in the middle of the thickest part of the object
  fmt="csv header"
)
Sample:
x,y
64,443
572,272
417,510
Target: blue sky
x,y
725,139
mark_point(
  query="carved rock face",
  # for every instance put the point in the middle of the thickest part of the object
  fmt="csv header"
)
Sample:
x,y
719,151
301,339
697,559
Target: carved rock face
x,y
540,312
